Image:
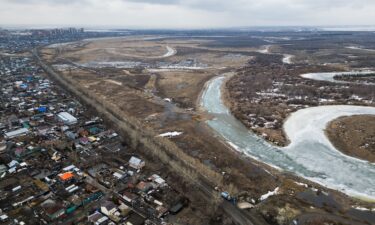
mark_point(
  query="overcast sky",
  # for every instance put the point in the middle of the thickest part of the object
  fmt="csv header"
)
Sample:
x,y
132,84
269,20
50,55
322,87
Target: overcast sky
x,y
187,13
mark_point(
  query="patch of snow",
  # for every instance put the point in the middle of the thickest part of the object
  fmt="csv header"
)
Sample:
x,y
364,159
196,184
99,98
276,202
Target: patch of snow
x,y
171,134
265,49
116,64
360,48
170,52
114,82
62,67
233,145
271,94
58,45
269,194
287,59
175,68
361,208
330,77
301,184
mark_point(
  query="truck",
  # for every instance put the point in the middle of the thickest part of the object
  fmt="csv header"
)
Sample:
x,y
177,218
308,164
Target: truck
x,y
226,196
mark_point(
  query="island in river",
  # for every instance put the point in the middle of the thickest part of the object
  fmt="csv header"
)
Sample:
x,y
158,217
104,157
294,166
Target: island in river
x,y
354,136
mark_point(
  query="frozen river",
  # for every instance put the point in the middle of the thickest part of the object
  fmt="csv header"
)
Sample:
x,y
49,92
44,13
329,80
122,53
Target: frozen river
x,y
170,52
330,77
310,153
287,59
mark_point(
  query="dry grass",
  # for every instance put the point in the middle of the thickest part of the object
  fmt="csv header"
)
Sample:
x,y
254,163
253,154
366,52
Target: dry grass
x,y
354,136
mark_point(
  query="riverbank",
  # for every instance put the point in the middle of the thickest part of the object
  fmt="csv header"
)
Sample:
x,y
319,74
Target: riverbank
x,y
262,95
273,136
310,153
354,136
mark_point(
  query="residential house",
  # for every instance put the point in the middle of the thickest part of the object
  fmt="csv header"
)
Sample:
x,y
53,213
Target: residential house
x,y
136,163
108,208
98,219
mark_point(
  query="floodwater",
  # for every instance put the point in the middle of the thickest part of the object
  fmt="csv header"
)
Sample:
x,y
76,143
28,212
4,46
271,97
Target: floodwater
x,y
310,153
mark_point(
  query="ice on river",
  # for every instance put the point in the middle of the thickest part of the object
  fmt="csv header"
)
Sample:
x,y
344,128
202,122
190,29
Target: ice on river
x,y
310,153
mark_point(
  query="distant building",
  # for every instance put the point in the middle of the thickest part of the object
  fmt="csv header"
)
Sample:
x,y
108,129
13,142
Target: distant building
x,y
144,186
135,219
98,219
108,208
52,209
176,208
84,140
129,197
157,180
66,118
16,133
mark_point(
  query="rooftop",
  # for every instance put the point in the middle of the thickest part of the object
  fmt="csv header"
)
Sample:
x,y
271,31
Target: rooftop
x,y
66,176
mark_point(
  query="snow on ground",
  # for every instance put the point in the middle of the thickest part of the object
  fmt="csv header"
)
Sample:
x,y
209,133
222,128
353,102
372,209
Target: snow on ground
x,y
330,76
362,208
7,54
170,134
152,38
265,49
170,52
287,59
175,68
104,38
269,194
58,45
360,48
233,146
114,82
62,67
116,64
301,184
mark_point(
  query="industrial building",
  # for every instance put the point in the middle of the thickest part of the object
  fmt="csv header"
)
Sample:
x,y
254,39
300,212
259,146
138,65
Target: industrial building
x,y
16,133
66,118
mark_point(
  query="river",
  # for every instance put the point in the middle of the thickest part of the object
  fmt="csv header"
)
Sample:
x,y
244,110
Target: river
x,y
330,77
310,153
